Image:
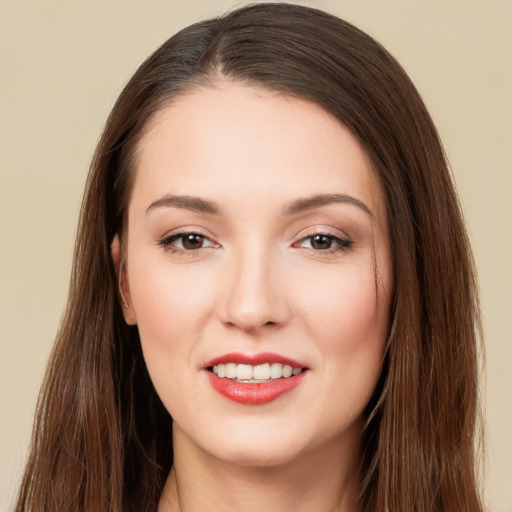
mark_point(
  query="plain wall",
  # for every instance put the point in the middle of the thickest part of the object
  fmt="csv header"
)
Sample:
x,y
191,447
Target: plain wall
x,y
63,63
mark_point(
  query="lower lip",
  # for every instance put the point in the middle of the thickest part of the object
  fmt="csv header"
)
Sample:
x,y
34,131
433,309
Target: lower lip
x,y
254,393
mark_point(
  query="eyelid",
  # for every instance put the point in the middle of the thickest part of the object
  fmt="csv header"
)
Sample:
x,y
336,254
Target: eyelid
x,y
323,230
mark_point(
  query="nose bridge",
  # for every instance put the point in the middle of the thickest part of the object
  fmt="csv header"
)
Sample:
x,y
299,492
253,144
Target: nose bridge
x,y
253,296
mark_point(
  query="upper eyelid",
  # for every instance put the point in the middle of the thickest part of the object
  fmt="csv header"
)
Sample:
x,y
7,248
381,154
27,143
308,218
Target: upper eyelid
x,y
344,239
302,234
337,233
186,231
168,240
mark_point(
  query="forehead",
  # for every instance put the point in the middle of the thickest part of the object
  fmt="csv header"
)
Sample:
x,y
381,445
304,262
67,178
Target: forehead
x,y
247,141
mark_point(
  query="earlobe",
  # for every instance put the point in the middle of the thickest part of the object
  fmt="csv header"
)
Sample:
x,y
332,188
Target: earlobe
x,y
122,280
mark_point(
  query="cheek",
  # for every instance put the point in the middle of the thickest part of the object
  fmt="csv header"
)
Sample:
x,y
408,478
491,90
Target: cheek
x,y
348,319
169,302
344,308
171,310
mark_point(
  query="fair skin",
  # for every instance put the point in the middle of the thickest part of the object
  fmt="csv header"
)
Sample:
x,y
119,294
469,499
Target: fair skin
x,y
262,268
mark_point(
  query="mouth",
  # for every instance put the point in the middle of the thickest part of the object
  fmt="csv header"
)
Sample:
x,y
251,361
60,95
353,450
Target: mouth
x,y
254,379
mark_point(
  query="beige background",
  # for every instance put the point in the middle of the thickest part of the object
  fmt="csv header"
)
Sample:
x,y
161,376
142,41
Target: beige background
x,y
62,66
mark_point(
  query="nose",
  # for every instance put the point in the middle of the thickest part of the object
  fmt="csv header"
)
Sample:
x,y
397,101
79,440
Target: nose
x,y
254,296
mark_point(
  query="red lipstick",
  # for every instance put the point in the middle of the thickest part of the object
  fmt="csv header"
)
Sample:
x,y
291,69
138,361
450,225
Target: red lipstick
x,y
254,359
254,393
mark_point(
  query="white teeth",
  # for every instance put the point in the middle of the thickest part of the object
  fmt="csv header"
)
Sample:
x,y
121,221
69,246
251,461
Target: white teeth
x,y
287,370
244,372
276,371
260,372
231,370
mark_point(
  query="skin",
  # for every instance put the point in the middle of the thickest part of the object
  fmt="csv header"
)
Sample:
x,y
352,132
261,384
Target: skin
x,y
257,282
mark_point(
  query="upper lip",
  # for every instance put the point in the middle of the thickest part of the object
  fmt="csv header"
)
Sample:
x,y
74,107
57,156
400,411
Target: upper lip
x,y
253,359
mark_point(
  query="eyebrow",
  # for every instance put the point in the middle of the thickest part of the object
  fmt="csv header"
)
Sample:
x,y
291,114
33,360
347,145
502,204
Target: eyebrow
x,y
316,201
197,204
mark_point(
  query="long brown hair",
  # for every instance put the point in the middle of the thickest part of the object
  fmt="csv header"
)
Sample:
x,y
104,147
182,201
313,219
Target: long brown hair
x,y
102,438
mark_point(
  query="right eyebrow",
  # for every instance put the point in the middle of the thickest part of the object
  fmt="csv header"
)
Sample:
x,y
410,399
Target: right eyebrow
x,y
193,203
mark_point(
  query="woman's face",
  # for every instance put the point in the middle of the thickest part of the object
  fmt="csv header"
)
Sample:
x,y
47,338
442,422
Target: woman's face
x,y
258,241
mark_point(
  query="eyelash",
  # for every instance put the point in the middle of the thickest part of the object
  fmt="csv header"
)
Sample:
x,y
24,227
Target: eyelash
x,y
167,243
341,244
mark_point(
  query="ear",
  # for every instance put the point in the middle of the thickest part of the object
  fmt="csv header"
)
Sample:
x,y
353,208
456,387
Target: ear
x,y
122,280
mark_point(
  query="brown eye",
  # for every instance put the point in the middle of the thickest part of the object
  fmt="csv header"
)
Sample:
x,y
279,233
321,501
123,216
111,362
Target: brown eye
x,y
324,243
192,241
186,242
320,242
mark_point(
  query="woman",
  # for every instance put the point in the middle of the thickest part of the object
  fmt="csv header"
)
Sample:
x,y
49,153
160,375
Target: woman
x,y
270,253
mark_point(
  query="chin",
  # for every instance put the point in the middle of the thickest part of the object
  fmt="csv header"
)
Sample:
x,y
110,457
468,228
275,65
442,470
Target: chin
x,y
258,456
272,444
251,445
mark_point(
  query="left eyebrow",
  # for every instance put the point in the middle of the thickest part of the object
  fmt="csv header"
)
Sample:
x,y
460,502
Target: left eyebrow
x,y
312,202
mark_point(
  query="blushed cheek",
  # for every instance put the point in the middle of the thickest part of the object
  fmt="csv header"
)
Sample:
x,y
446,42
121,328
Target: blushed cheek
x,y
168,304
347,321
169,312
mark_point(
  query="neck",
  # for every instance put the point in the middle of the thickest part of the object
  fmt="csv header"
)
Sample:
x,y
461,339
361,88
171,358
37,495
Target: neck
x,y
321,481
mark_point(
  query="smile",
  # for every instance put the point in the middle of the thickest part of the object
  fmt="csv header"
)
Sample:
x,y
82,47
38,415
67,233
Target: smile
x,y
254,379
